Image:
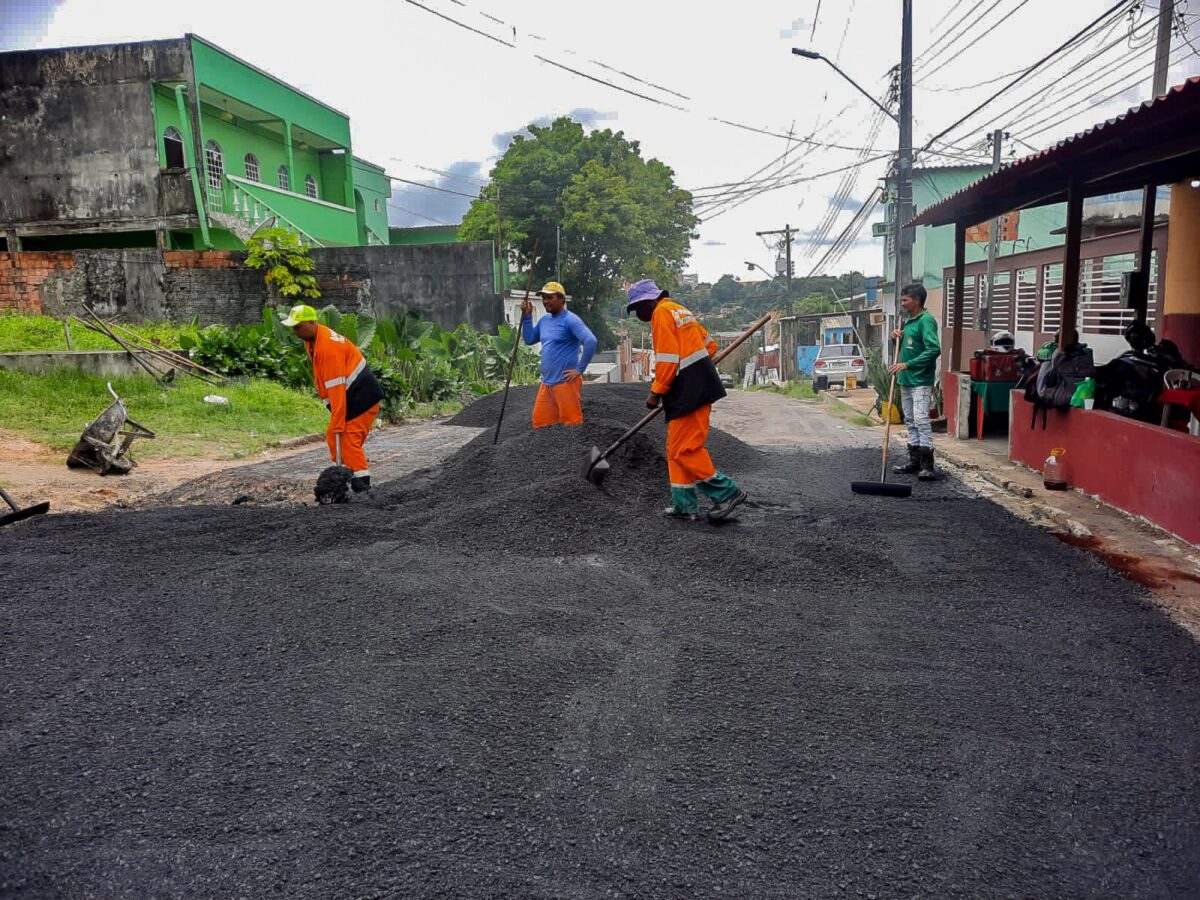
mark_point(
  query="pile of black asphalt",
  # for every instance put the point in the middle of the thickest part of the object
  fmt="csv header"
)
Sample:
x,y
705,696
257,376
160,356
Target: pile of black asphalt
x,y
492,679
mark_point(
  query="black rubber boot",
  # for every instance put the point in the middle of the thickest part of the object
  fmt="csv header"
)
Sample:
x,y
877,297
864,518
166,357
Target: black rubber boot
x,y
914,462
721,511
361,484
927,472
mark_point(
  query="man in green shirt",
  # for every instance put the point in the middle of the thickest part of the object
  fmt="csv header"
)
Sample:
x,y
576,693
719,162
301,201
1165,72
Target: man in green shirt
x,y
916,370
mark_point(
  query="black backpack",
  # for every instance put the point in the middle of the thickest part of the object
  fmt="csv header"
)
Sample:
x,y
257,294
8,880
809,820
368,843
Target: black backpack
x,y
1062,373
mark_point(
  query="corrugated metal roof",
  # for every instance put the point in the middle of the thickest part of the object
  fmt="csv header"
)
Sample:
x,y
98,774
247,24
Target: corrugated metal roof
x,y
1141,119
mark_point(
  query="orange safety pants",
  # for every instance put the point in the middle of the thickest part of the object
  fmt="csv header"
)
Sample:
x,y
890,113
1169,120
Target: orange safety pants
x,y
353,438
687,459
559,404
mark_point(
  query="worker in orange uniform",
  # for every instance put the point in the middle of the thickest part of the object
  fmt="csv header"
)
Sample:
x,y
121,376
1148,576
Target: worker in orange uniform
x,y
351,393
567,348
686,383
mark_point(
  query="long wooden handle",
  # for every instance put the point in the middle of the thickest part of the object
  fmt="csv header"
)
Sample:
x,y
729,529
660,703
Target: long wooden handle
x,y
512,360
887,431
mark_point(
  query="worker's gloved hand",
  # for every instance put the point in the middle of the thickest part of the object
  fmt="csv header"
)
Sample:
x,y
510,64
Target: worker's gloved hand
x,y
653,401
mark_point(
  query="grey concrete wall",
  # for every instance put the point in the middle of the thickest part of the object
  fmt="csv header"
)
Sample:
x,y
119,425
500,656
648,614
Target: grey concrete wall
x,y
447,283
78,141
110,364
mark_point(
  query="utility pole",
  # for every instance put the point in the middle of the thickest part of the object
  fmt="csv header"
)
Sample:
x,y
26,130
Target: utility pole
x,y
1139,298
985,294
557,253
904,162
787,233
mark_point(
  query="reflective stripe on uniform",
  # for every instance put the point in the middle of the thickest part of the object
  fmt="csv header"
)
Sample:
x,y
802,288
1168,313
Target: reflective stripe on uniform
x,y
666,357
693,358
334,382
362,364
683,487
363,473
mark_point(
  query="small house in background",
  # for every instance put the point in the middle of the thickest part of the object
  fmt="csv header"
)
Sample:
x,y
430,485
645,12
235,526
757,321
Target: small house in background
x,y
176,144
837,330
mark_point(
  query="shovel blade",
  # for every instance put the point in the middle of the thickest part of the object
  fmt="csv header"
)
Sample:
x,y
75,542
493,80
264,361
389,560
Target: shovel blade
x,y
597,467
882,488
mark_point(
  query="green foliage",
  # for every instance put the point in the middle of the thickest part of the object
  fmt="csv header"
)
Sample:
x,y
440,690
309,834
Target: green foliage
x,y
414,360
54,408
286,261
814,304
622,216
42,333
879,377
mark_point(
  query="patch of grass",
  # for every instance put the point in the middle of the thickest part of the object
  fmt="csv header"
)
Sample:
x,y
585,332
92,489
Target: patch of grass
x,y
30,333
54,409
799,389
847,413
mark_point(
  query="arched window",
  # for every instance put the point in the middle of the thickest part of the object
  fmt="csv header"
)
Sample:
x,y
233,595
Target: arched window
x,y
252,167
310,186
214,166
173,148
283,178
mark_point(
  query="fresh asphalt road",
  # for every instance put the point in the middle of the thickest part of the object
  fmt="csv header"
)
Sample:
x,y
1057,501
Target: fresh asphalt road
x,y
492,679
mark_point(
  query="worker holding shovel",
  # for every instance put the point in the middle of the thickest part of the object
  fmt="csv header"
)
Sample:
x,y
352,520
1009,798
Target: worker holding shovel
x,y
686,383
567,348
351,393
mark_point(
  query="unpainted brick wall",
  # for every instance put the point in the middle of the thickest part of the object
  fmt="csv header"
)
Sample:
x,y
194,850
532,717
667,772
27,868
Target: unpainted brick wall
x,y
22,276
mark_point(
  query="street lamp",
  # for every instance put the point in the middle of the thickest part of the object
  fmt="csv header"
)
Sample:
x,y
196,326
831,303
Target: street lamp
x,y
813,54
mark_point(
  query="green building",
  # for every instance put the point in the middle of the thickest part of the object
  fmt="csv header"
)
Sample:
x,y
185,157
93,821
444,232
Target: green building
x,y
933,248
178,144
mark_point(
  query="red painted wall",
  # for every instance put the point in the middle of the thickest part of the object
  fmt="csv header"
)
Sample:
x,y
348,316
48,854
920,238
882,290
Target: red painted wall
x,y
1140,468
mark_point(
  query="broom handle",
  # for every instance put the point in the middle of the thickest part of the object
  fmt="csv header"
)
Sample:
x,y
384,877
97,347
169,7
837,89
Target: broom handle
x,y
887,431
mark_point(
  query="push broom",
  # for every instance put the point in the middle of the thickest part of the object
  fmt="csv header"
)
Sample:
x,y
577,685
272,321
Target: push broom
x,y
883,487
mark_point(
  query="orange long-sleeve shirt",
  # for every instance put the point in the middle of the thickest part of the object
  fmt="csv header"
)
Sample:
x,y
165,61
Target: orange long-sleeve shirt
x,y
680,341
343,380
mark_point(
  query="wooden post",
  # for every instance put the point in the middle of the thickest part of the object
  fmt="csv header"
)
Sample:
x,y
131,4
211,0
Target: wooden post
x,y
1070,286
960,276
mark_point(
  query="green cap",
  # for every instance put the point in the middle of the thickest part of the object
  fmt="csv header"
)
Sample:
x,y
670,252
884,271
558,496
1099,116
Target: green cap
x,y
300,313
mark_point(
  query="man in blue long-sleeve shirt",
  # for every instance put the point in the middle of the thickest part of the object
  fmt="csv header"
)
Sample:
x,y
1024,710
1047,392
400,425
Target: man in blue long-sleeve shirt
x,y
567,348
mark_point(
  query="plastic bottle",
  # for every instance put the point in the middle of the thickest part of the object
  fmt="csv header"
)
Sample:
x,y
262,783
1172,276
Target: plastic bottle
x,y
1052,473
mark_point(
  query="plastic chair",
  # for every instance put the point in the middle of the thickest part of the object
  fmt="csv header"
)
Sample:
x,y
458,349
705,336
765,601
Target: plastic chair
x,y
1179,380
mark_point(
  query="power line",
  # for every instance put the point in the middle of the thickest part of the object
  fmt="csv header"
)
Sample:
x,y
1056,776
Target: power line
x,y
1059,49
981,36
490,37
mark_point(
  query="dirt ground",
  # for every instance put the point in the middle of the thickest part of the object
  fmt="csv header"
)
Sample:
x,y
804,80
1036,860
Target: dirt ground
x,y
492,679
33,473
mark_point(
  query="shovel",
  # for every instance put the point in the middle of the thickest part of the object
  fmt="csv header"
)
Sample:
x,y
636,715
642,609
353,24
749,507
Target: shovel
x,y
598,466
333,484
18,513
883,487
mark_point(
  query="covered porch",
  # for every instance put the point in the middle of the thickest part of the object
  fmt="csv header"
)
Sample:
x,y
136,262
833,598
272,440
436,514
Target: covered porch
x,y
1146,469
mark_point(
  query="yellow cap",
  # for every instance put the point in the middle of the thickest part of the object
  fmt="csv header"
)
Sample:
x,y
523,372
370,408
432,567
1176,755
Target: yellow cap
x,y
552,287
300,313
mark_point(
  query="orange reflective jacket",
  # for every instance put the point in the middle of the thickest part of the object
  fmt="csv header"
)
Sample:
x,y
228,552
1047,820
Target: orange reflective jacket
x,y
683,372
342,377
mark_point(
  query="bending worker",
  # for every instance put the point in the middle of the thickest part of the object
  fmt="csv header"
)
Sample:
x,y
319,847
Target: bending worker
x,y
686,383
345,383
567,348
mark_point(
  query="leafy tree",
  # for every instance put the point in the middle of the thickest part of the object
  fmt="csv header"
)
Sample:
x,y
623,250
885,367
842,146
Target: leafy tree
x,y
622,217
812,304
286,259
727,289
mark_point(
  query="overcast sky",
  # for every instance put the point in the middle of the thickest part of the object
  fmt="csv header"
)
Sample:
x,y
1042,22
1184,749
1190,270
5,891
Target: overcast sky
x,y
436,103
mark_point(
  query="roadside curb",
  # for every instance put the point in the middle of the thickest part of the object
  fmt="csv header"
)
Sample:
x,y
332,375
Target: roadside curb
x,y
300,441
